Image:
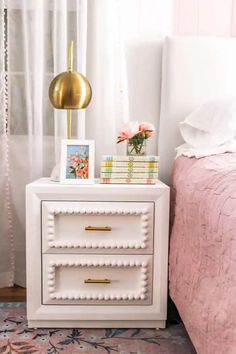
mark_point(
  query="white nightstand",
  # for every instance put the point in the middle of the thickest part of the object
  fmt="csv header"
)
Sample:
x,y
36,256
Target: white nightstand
x,y
97,255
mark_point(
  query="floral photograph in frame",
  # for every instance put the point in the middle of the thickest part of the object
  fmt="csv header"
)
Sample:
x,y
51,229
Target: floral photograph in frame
x,y
77,162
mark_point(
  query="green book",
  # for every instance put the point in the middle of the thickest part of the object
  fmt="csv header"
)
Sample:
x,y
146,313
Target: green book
x,y
129,164
128,175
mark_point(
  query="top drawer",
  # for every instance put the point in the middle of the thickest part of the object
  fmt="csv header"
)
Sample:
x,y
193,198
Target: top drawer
x,y
97,227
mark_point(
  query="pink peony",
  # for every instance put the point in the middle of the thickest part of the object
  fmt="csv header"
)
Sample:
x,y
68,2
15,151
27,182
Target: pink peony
x,y
128,131
133,130
148,133
145,126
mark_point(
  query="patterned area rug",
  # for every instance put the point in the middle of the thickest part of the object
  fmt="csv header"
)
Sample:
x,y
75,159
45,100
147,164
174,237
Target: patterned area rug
x,y
16,337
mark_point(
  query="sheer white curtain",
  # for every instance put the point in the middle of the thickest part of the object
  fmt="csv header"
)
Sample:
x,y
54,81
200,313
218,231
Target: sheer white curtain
x,y
34,50
7,251
122,53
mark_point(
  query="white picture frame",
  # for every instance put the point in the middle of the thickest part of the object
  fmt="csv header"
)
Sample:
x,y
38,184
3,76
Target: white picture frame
x,y
77,161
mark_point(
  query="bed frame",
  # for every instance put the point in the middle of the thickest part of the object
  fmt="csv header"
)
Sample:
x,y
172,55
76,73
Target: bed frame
x,y
194,70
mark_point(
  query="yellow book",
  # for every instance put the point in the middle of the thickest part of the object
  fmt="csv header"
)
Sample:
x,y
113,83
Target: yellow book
x,y
143,164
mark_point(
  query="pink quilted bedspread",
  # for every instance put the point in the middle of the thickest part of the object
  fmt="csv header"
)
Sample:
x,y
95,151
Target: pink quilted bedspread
x,y
203,250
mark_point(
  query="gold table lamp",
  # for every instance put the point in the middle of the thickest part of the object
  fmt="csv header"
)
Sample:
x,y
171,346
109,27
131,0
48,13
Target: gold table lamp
x,y
70,90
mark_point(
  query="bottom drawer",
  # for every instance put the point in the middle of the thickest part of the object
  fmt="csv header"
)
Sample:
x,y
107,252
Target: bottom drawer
x,y
97,279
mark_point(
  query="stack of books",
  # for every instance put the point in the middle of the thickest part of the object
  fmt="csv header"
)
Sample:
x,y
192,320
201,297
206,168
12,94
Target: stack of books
x,y
129,169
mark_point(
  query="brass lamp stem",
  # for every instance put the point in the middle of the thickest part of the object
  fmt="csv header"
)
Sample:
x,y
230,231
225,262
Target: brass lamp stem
x,y
70,56
69,123
69,111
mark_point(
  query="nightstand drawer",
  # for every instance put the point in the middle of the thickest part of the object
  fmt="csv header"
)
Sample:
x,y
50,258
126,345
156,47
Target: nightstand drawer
x,y
95,227
97,279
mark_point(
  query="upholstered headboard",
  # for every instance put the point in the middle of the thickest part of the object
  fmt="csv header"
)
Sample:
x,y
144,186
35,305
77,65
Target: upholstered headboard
x,y
194,70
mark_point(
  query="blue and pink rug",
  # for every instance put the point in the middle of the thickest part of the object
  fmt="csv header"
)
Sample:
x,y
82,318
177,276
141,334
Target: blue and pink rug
x,y
16,338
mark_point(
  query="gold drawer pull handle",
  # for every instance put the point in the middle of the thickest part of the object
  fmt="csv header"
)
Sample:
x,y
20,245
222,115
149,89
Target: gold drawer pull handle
x,y
97,281
97,228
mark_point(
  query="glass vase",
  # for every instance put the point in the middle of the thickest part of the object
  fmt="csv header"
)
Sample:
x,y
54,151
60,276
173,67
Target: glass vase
x,y
135,148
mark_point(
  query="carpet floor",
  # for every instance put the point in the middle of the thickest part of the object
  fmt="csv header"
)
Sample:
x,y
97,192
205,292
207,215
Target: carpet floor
x,y
16,337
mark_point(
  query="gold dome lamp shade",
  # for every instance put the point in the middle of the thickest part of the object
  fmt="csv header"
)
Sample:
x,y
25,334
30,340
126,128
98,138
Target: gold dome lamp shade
x,y
70,90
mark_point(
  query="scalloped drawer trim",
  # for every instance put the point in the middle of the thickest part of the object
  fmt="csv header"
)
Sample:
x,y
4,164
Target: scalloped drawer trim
x,y
142,244
72,295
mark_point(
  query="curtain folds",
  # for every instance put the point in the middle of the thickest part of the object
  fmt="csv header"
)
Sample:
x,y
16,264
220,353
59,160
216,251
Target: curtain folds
x,y
7,253
109,37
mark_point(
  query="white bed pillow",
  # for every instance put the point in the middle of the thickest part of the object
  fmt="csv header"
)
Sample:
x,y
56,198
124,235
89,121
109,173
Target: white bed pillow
x,y
189,151
211,125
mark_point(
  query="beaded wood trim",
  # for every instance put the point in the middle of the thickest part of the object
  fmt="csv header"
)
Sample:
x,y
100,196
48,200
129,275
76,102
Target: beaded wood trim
x,y
76,295
141,244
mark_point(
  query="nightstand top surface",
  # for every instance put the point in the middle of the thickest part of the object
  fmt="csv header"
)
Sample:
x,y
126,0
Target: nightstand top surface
x,y
46,182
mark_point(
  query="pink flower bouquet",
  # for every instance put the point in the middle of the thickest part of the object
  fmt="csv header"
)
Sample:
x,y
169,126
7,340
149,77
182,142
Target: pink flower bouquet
x,y
78,166
136,134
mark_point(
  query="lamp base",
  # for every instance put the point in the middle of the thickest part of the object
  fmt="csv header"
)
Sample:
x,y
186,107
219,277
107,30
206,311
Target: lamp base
x,y
55,174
